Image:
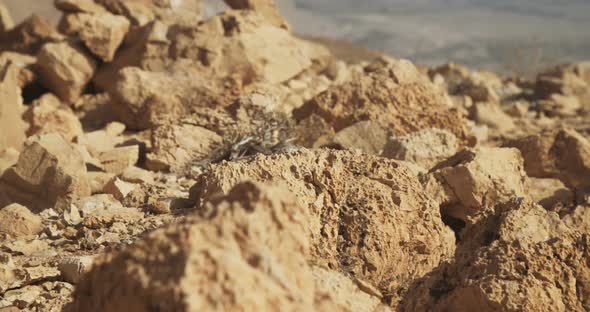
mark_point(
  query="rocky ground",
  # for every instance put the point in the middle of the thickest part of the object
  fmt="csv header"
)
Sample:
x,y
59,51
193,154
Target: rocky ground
x,y
153,160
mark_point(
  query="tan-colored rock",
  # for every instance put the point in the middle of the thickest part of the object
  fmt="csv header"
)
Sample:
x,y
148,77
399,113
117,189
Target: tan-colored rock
x,y
475,181
491,115
253,240
532,261
397,97
549,192
79,6
49,115
17,220
12,127
267,8
99,211
8,157
425,148
49,173
73,268
119,188
560,105
137,175
378,201
366,136
98,180
176,146
562,154
29,36
120,158
102,33
6,21
24,64
568,80
65,69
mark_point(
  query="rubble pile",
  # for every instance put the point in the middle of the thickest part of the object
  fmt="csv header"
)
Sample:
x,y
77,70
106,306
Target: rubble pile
x,y
152,158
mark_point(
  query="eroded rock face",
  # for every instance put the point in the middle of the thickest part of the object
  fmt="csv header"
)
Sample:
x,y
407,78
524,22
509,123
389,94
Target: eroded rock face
x,y
49,173
248,254
17,220
562,154
369,215
397,97
529,259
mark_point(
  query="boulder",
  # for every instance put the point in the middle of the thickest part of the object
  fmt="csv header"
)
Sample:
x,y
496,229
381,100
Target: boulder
x,y
102,33
12,126
425,148
49,115
17,220
50,173
65,69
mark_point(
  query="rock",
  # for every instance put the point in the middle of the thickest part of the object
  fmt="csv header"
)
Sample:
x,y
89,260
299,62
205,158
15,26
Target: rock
x,y
24,64
252,239
425,148
119,159
549,192
568,80
137,175
529,261
365,136
98,180
397,97
49,173
266,8
8,157
29,36
103,140
118,188
102,33
99,211
491,115
175,146
12,127
49,115
560,105
79,6
73,268
17,220
6,21
562,154
345,291
475,181
65,69
377,200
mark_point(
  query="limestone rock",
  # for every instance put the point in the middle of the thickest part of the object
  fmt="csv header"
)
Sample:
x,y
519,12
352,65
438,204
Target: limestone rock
x,y
531,260
267,8
79,6
29,36
49,173
102,33
175,146
425,148
8,157
99,211
365,136
118,188
378,201
549,192
74,267
12,127
476,181
6,21
17,220
117,160
491,115
560,105
562,154
397,97
65,69
253,240
49,115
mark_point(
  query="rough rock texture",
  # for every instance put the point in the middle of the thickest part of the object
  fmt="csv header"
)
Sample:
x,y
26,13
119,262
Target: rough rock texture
x,y
475,181
17,220
12,127
29,36
562,154
425,148
491,115
396,97
49,173
363,209
65,69
528,260
49,115
247,254
366,136
267,8
102,33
